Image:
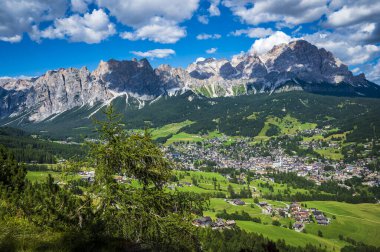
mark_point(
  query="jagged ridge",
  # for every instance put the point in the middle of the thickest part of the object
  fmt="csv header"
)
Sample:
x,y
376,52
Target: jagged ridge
x,y
298,65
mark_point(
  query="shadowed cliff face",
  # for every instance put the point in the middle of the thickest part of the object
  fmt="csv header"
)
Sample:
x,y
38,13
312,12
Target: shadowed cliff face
x,y
129,76
298,65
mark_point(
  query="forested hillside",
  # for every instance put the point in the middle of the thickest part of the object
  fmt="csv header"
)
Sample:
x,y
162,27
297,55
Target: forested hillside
x,y
242,115
28,148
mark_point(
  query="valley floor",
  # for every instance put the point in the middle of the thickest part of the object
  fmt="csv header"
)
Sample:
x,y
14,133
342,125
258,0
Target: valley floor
x,y
358,222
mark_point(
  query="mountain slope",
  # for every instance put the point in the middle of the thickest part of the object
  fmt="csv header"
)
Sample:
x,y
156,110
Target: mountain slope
x,y
240,116
298,65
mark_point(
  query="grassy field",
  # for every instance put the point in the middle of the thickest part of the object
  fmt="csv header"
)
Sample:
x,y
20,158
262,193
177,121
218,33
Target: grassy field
x,y
39,176
291,237
274,232
330,153
360,222
169,129
288,125
184,137
357,221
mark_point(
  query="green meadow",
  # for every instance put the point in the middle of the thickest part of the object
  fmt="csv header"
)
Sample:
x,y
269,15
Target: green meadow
x,y
356,221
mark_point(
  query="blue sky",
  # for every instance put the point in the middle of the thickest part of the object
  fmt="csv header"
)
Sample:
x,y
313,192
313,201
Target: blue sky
x,y
38,35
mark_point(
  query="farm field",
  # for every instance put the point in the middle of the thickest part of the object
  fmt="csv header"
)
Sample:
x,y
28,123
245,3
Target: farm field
x,y
354,221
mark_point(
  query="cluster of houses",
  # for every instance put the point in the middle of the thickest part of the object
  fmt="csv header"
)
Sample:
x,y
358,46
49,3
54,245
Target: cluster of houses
x,y
320,218
88,176
242,155
270,210
303,216
218,224
236,202
295,211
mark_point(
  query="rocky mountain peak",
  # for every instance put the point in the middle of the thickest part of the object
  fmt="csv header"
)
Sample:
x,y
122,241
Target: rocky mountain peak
x,y
299,63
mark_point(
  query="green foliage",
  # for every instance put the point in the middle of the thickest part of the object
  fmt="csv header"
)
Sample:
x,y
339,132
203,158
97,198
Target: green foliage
x,y
145,217
28,149
12,175
244,216
239,240
273,130
358,116
134,155
320,234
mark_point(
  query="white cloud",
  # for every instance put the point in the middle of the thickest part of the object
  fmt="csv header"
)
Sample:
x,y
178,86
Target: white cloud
x,y
156,53
203,19
289,12
214,9
90,28
13,39
356,70
159,30
18,17
253,32
347,50
211,50
205,36
200,59
360,17
354,12
80,6
373,73
157,21
263,45
139,13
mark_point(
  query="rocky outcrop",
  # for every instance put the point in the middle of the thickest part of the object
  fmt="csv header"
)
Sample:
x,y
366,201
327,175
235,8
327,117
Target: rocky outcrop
x,y
298,65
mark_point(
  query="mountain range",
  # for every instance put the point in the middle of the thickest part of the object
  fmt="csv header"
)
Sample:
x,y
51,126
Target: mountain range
x,y
298,65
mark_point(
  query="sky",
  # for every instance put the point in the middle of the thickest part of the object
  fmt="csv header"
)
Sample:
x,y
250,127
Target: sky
x,y
40,35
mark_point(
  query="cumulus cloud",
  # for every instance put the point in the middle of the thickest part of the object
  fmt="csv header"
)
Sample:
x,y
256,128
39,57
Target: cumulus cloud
x,y
139,13
90,28
149,18
360,17
18,17
288,12
214,9
211,50
13,39
205,36
253,32
159,30
203,19
80,6
263,45
347,50
373,73
353,12
156,53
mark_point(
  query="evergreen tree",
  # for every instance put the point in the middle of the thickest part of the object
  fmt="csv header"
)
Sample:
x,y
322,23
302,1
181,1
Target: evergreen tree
x,y
12,175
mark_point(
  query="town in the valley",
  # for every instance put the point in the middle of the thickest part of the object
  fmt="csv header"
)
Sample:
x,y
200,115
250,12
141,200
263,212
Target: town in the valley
x,y
274,155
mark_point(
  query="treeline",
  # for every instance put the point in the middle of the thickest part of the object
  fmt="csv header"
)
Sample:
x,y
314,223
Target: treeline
x,y
244,216
327,191
240,240
292,179
28,149
320,196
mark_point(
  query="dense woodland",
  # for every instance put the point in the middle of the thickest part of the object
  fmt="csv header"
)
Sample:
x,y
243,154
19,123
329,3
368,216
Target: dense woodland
x,y
33,150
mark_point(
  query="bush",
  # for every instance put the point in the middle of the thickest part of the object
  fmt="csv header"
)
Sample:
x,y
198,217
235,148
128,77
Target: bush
x,y
276,223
